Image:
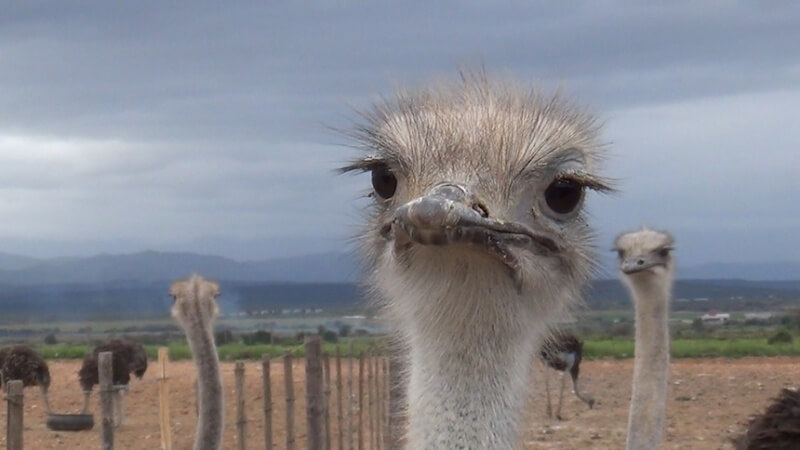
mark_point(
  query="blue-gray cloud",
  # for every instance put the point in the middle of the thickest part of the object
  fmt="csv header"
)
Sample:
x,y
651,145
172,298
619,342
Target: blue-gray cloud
x,y
156,124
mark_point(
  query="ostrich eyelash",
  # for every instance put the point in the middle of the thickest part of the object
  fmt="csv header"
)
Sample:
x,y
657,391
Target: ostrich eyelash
x,y
585,179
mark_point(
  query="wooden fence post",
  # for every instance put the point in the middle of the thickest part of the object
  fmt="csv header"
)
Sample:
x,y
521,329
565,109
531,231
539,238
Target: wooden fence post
x,y
350,397
106,401
339,415
289,383
14,424
314,398
397,397
373,443
361,401
326,361
267,386
241,418
385,394
163,399
378,402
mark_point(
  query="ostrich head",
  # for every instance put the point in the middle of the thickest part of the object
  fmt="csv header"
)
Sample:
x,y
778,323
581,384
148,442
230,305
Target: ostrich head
x,y
43,375
645,255
476,242
194,303
138,362
483,180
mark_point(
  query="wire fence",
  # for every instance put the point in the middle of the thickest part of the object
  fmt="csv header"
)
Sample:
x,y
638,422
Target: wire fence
x,y
346,397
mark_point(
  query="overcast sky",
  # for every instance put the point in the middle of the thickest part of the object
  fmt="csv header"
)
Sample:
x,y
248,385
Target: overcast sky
x,y
204,127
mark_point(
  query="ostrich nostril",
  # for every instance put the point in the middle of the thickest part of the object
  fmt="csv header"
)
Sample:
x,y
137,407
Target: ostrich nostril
x,y
639,262
481,209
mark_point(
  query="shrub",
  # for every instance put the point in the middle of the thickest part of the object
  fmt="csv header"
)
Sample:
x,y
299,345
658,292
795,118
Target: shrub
x,y
258,337
621,330
50,339
224,337
330,336
781,337
345,330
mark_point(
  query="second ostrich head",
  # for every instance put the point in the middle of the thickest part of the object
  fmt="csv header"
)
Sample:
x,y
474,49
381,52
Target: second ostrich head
x,y
195,308
476,243
648,269
646,257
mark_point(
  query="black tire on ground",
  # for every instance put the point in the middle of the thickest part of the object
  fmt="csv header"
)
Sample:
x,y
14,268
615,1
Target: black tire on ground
x,y
70,422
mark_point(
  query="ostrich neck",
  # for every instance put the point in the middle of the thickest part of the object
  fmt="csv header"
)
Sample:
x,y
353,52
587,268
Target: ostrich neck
x,y
470,363
651,364
208,435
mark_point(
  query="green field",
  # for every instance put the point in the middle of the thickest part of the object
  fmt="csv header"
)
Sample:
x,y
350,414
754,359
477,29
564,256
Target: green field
x,y
593,349
695,348
228,352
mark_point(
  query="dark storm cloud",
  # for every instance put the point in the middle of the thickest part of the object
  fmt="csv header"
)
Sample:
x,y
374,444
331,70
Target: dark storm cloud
x,y
162,122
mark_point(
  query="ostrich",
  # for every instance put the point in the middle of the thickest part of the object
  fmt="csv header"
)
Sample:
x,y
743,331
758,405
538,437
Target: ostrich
x,y
648,269
563,352
127,358
195,308
778,428
476,243
21,362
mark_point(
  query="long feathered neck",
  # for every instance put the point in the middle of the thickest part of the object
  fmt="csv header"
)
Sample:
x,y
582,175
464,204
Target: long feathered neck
x,y
651,296
470,348
208,435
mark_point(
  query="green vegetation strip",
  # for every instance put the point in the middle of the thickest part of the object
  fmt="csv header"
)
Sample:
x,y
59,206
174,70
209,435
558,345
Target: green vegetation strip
x,y
228,352
695,348
593,349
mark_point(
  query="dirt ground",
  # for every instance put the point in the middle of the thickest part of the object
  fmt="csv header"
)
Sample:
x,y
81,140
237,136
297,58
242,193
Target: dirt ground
x,y
710,401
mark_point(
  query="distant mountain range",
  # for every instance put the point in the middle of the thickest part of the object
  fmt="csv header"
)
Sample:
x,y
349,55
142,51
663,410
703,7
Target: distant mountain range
x,y
136,285
333,267
151,266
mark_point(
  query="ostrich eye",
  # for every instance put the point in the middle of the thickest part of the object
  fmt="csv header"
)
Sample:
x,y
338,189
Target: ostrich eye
x,y
621,254
383,181
664,252
563,196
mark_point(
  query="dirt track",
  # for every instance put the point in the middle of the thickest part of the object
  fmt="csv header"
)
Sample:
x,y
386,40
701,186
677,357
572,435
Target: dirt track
x,y
710,400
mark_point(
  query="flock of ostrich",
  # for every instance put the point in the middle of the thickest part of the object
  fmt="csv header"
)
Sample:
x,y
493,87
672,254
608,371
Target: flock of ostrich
x,y
477,246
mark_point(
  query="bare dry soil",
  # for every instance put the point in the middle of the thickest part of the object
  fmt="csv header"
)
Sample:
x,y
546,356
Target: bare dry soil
x,y
710,401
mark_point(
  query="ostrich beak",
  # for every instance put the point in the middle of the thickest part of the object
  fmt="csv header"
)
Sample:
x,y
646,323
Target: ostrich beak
x,y
449,214
636,264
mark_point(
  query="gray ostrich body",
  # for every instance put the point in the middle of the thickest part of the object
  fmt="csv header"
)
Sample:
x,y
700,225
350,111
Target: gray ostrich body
x,y
195,309
21,362
563,352
648,269
476,244
127,357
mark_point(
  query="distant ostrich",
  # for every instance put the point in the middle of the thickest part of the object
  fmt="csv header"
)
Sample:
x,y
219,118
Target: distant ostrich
x,y
21,362
563,352
127,358
475,245
195,308
648,269
778,428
